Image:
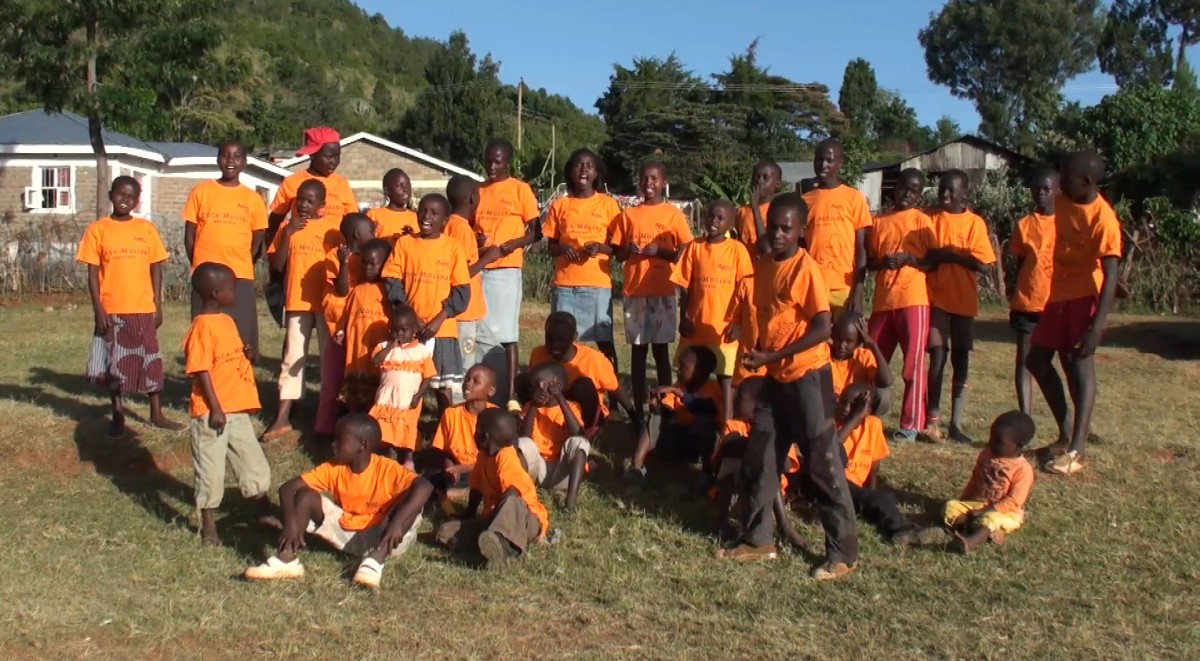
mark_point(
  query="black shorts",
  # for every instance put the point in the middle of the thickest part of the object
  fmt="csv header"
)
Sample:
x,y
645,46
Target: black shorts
x,y
958,329
1023,322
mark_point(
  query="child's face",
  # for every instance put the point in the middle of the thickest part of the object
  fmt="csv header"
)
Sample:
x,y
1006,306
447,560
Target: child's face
x,y
347,446
327,159
687,367
843,341
850,399
1003,443
652,181
309,202
478,384
827,163
490,440
398,190
124,198
583,172
495,163
542,387
907,194
558,344
718,220
372,262
783,231
225,293
231,160
404,328
764,176
1043,191
431,218
952,193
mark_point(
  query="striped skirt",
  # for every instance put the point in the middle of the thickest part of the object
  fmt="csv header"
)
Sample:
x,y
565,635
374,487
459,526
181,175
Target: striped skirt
x,y
127,359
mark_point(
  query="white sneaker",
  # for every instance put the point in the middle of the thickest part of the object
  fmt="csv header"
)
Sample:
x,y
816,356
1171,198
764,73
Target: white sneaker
x,y
275,569
369,574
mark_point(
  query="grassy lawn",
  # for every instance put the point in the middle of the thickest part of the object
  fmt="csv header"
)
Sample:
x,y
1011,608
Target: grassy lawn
x,y
101,557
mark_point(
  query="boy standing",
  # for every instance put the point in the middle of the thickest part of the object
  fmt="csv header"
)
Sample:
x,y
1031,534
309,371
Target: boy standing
x,y
648,239
463,194
962,251
993,502
224,397
764,183
838,222
796,405
507,217
900,314
1032,243
1087,249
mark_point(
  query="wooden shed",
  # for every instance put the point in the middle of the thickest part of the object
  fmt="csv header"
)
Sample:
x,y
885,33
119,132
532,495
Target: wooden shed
x,y
970,153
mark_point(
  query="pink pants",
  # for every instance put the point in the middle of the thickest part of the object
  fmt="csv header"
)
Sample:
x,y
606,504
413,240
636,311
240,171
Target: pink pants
x,y
333,368
907,328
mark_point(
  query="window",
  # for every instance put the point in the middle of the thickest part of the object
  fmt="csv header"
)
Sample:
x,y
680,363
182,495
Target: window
x,y
52,189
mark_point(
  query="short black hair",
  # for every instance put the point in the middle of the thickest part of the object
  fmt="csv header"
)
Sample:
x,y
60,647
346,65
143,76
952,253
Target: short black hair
x,y
789,201
562,322
126,180
353,221
575,157
492,419
653,165
392,174
208,276
723,203
830,142
312,183
232,143
381,246
1087,162
460,188
770,162
854,390
363,427
848,319
552,369
950,176
437,198
1044,172
706,360
911,173
402,311
1020,424
502,144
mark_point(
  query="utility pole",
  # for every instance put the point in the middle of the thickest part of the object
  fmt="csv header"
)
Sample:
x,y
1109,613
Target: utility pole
x,y
553,148
520,88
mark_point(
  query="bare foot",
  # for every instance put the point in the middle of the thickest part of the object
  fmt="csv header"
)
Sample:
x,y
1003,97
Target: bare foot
x,y
276,432
161,422
270,521
116,428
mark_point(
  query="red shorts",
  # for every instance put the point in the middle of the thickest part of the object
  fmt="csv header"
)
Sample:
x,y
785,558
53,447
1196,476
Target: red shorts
x,y
1064,324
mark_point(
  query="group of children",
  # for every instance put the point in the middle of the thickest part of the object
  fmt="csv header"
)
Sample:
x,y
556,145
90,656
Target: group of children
x,y
780,377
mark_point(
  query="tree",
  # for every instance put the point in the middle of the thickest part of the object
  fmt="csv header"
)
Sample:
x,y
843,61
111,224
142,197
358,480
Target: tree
x,y
984,51
1184,14
946,130
858,96
1134,48
1134,127
460,109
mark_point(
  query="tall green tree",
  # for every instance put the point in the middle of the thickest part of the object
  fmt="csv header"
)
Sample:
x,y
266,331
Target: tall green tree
x,y
988,51
859,96
1135,48
946,130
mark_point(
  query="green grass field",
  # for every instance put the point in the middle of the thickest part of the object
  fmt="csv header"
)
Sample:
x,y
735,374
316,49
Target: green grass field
x,y
101,558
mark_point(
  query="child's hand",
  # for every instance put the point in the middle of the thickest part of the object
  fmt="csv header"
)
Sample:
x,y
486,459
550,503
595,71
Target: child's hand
x,y
755,359
295,225
416,401
554,389
591,248
507,248
759,196
896,260
344,253
863,334
1090,342
158,317
250,353
480,239
490,254
430,329
103,323
570,254
290,541
650,250
733,333
407,230
339,338
686,326
216,420
633,249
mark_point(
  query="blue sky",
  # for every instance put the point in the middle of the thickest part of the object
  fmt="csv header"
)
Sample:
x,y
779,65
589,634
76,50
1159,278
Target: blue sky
x,y
804,40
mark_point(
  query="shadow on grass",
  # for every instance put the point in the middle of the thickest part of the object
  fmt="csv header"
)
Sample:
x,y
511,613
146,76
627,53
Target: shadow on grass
x,y
1169,339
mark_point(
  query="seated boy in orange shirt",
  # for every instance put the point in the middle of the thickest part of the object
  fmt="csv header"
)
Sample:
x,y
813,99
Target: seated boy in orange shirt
x,y
454,440
961,253
552,442
590,375
993,502
683,422
396,219
855,358
358,502
513,519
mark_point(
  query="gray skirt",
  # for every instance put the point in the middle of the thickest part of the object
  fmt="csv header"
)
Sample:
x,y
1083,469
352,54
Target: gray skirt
x,y
447,360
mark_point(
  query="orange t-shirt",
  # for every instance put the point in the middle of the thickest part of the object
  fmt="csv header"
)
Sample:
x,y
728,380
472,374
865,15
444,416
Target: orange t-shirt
x,y
573,222
339,197
864,446
429,268
681,416
586,362
662,224
550,431
212,345
226,218
459,229
492,476
366,498
333,304
744,224
1004,484
710,273
365,320
504,208
834,217
951,287
305,269
1033,241
456,433
390,224
124,250
909,231
1083,235
860,367
787,295
742,314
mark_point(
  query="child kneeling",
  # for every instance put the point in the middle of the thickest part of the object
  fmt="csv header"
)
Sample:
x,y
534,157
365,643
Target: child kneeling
x,y
359,502
993,502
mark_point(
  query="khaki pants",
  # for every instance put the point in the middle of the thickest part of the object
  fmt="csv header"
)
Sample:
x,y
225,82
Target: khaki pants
x,y
357,542
552,474
238,444
298,329
511,519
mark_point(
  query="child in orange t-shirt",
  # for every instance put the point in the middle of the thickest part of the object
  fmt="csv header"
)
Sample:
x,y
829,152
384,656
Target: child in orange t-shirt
x,y
224,223
590,376
224,397
577,229
552,442
992,504
838,223
1032,243
362,326
454,440
358,502
707,275
429,272
683,420
648,239
299,251
343,269
124,256
463,194
743,329
900,313
406,367
962,252
395,219
1083,285
513,519
855,358
764,184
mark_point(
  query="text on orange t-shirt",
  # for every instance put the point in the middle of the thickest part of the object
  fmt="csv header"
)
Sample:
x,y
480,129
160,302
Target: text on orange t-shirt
x,y
429,268
504,208
305,271
124,251
390,224
787,295
835,216
574,222
662,224
213,345
864,446
456,433
366,498
909,231
1033,242
226,218
339,197
710,273
954,288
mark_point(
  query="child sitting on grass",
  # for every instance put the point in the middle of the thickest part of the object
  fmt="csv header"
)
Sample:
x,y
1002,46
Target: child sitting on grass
x,y
358,502
513,519
590,375
455,438
683,423
552,443
224,397
407,370
993,502
855,358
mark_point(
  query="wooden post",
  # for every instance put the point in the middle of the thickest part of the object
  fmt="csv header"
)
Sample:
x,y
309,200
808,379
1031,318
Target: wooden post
x,y
520,108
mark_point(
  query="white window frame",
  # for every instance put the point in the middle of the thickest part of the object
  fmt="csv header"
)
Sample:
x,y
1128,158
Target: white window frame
x,y
33,193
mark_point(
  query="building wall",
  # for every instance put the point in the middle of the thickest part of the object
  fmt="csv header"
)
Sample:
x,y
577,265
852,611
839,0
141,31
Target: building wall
x,y
16,173
364,164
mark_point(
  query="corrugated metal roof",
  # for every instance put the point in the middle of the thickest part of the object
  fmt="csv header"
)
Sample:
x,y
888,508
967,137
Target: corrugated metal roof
x,y
38,127
183,149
